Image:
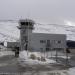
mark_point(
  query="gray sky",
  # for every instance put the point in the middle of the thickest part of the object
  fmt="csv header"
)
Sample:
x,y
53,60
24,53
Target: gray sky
x,y
44,11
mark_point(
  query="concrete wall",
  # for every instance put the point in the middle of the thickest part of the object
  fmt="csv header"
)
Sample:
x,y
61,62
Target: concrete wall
x,y
13,44
56,41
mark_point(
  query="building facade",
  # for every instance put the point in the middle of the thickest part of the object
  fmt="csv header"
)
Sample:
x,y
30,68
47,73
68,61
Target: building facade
x,y
46,42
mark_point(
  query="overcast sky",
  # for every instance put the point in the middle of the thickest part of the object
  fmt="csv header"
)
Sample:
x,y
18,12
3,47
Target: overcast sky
x,y
45,11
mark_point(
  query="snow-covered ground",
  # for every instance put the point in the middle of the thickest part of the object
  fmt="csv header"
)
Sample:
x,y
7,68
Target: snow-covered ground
x,y
56,72
5,53
60,54
71,71
24,59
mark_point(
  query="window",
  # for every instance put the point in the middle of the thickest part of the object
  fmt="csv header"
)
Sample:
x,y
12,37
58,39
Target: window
x,y
55,41
26,23
47,49
42,41
48,42
58,49
25,38
59,42
22,23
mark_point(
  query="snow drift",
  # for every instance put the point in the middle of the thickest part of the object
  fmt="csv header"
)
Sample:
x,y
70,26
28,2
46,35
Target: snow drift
x,y
24,59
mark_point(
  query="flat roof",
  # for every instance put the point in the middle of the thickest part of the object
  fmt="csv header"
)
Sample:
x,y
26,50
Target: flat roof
x,y
48,33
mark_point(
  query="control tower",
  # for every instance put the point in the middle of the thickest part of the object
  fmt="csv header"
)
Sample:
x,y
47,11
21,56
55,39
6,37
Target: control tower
x,y
26,26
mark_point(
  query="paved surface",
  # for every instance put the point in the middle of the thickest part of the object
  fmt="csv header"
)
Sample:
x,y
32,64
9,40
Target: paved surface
x,y
10,66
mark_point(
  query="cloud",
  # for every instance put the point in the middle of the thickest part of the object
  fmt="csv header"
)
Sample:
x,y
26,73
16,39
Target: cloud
x,y
55,11
69,23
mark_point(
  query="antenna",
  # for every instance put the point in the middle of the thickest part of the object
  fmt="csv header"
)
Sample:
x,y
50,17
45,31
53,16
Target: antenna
x,y
29,14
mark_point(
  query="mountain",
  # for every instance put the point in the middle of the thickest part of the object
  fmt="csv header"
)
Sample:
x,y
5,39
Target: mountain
x,y
56,29
10,32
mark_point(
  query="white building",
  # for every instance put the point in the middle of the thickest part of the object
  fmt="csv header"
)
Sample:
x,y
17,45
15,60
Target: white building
x,y
39,41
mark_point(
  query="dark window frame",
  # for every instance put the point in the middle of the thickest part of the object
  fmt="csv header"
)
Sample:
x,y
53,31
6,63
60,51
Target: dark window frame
x,y
42,41
59,41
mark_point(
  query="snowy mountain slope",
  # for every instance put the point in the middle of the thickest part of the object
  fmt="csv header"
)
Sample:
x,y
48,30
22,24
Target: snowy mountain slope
x,y
56,29
10,32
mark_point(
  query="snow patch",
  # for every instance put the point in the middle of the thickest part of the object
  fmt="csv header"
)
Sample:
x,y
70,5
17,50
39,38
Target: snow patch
x,y
4,53
24,58
71,71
